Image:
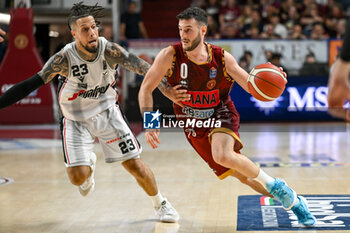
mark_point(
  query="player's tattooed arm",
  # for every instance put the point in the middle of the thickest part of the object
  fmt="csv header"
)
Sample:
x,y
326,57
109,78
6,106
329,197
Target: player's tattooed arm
x,y
115,54
57,64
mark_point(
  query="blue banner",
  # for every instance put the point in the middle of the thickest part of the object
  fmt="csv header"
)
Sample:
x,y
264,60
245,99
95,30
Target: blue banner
x,y
304,99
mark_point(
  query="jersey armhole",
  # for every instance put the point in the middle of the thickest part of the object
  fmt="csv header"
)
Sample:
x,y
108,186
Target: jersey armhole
x,y
168,75
226,75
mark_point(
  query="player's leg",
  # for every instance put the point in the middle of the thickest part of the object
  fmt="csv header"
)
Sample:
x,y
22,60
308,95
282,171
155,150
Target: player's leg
x,y
145,178
143,175
222,145
78,155
117,134
254,184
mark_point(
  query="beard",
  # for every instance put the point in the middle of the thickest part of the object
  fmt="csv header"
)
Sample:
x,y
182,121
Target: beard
x,y
90,50
194,44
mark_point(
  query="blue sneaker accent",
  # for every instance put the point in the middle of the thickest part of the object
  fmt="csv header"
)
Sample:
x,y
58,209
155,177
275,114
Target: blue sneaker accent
x,y
302,212
279,189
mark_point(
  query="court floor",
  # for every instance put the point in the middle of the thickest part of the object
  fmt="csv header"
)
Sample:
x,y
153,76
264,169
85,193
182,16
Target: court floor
x,y
313,158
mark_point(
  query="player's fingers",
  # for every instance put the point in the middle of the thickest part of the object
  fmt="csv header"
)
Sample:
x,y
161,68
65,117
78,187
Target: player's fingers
x,y
177,86
151,142
180,104
155,137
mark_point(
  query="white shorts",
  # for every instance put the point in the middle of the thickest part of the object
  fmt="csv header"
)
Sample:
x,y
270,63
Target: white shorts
x,y
116,138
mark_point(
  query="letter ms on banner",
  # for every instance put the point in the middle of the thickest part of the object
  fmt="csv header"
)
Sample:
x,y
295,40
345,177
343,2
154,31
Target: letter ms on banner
x,y
262,213
22,61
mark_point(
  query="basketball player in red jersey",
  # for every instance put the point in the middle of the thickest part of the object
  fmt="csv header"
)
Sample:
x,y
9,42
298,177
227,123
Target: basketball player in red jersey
x,y
206,74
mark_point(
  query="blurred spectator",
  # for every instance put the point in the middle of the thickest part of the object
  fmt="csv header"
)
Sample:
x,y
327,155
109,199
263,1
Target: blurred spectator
x,y
131,25
249,57
269,33
318,32
268,55
254,33
212,7
276,60
279,29
297,33
245,18
309,17
292,18
107,32
334,15
255,22
231,32
213,29
341,26
228,13
242,62
312,67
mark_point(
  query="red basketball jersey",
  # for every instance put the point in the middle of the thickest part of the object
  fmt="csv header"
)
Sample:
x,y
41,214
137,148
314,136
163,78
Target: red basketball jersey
x,y
208,83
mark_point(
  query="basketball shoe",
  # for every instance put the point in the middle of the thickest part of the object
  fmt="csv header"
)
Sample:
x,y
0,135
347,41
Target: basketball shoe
x,y
89,185
302,212
166,212
279,189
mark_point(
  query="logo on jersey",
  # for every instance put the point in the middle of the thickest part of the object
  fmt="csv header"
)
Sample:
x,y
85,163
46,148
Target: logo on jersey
x,y
211,84
203,99
151,120
92,93
212,72
81,78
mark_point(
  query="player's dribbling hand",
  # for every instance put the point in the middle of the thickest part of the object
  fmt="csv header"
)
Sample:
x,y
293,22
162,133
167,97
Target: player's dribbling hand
x,y
177,95
152,137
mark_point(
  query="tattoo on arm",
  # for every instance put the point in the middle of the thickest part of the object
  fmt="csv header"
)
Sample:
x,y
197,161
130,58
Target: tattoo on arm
x,y
163,85
57,64
115,54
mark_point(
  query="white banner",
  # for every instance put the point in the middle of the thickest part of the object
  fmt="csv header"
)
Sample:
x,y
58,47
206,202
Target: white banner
x,y
293,51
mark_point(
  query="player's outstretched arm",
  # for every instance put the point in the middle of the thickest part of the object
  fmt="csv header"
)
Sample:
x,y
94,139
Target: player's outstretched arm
x,y
57,64
152,79
237,73
115,54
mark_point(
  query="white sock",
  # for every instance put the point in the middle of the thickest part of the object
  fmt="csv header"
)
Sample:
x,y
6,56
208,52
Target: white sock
x,y
264,178
157,200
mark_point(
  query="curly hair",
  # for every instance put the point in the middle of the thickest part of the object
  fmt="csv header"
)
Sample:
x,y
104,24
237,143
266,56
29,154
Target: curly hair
x,y
79,10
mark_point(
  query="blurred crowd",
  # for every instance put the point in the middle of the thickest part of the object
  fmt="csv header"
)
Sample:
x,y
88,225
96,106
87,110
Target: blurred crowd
x,y
272,19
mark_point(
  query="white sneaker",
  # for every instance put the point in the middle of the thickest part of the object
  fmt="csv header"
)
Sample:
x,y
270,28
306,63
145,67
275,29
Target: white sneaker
x,y
89,185
167,213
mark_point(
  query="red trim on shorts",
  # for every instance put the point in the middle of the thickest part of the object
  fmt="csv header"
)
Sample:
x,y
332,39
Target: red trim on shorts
x,y
64,139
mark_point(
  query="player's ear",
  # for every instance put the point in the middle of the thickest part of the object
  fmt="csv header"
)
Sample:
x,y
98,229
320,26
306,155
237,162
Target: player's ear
x,y
204,29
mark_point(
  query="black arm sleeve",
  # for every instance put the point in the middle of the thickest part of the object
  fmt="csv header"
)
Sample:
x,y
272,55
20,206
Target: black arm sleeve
x,y
345,51
20,90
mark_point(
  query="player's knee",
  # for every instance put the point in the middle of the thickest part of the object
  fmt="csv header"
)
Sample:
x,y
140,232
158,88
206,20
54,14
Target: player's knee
x,y
137,168
77,175
219,156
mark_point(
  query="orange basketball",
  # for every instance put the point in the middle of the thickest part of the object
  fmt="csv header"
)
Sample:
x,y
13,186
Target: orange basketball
x,y
266,82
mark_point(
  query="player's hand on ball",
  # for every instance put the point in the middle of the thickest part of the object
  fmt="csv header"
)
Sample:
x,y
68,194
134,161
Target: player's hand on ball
x,y
152,137
266,82
177,95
